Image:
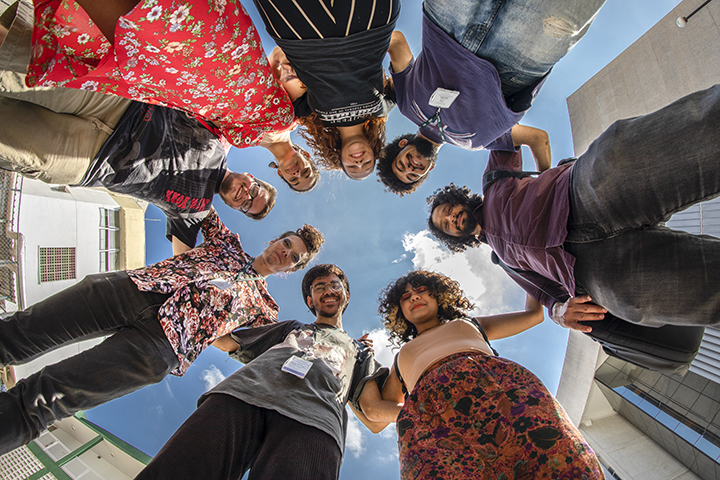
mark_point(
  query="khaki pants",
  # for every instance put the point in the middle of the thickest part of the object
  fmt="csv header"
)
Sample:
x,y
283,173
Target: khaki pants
x,y
51,134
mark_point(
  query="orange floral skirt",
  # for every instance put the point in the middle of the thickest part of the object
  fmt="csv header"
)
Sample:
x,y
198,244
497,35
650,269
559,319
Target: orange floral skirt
x,y
473,416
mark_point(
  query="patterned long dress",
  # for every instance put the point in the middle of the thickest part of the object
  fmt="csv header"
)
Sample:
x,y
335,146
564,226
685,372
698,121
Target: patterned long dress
x,y
200,56
474,416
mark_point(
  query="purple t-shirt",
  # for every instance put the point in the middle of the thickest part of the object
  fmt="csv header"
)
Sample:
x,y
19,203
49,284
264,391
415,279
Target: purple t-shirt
x,y
525,221
479,117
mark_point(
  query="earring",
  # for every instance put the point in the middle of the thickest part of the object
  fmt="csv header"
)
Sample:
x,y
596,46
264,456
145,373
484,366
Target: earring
x,y
272,165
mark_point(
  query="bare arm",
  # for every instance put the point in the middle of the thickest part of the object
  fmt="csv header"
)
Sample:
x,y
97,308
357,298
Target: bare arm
x,y
225,343
178,246
537,140
374,427
509,324
386,407
399,51
285,74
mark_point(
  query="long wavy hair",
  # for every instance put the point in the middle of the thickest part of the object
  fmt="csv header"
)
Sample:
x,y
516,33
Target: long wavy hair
x,y
452,302
326,142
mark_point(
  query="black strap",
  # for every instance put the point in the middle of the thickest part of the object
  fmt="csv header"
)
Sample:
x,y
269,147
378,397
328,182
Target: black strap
x,y
397,372
493,176
482,331
528,277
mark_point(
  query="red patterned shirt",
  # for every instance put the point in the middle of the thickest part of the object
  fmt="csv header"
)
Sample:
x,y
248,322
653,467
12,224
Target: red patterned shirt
x,y
214,290
201,57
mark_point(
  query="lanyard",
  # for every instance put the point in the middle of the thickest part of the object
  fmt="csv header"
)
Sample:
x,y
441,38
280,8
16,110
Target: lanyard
x,y
436,118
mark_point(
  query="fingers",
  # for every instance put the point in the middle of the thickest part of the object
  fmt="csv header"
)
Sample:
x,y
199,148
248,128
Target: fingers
x,y
579,327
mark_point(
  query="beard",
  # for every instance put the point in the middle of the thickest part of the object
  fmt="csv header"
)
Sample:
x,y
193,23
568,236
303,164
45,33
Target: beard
x,y
330,311
470,223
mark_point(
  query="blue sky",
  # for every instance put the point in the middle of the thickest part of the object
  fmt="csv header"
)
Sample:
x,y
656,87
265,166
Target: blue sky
x,y
375,237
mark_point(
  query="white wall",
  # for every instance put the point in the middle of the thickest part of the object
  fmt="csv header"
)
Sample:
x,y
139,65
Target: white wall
x,y
58,217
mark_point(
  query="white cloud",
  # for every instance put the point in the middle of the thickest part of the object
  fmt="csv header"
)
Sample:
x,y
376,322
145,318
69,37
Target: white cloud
x,y
354,440
211,376
402,257
166,381
159,409
485,284
381,345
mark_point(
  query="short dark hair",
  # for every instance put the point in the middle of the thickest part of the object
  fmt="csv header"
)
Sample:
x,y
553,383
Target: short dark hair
x,y
313,167
313,240
318,271
272,193
452,302
453,195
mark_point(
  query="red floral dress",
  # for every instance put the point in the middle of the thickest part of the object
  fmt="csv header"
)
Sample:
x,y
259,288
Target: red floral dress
x,y
200,56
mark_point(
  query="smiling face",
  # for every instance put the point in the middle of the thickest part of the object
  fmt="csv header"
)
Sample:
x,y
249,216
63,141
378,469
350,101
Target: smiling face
x,y
283,254
236,191
454,220
419,307
410,166
357,157
297,172
327,296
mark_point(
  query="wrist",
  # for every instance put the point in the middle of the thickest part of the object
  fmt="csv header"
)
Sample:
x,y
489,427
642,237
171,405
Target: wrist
x,y
558,311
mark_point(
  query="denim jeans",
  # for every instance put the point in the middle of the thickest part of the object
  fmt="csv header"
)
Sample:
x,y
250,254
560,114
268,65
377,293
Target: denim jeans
x,y
632,179
135,355
523,39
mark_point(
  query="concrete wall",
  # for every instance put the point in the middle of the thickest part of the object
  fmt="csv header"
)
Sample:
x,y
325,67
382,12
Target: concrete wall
x,y
631,453
665,64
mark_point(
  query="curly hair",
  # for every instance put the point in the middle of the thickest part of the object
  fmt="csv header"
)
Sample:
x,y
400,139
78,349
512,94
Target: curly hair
x,y
326,142
272,194
388,155
318,271
313,240
384,168
452,302
453,195
313,167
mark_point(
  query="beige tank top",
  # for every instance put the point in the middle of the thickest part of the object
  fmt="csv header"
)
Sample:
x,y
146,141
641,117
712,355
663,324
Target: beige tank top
x,y
437,343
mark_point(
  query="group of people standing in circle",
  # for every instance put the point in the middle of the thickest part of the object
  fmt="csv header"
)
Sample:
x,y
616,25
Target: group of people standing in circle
x,y
146,98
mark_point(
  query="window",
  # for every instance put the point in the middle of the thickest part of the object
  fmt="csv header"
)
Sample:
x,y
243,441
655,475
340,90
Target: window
x,y
57,263
109,240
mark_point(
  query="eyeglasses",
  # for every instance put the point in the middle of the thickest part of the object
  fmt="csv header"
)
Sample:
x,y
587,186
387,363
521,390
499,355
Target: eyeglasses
x,y
253,192
407,295
332,286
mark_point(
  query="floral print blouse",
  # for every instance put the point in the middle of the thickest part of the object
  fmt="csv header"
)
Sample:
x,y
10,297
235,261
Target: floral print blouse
x,y
213,289
200,56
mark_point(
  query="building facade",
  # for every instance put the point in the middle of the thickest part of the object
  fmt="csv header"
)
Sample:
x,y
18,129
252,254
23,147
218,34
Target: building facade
x,y
643,424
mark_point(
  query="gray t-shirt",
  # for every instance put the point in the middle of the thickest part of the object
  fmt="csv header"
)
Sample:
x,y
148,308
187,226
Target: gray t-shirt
x,y
340,369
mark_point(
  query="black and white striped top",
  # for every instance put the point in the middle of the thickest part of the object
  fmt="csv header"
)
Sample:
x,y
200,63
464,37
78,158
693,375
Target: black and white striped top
x,y
336,48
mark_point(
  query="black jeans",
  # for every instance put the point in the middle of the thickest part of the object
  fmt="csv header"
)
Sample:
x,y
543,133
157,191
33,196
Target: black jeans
x,y
137,353
632,178
226,436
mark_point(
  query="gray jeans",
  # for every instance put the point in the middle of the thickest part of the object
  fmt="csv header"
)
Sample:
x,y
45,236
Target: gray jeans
x,y
136,354
633,177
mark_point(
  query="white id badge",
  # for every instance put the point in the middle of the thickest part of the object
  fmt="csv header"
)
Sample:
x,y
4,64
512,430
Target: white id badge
x,y
443,98
220,283
296,366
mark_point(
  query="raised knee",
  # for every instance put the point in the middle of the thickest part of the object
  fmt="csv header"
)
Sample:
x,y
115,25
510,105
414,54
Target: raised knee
x,y
559,28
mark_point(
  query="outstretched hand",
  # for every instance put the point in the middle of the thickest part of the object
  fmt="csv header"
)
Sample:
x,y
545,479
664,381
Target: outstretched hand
x,y
577,309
